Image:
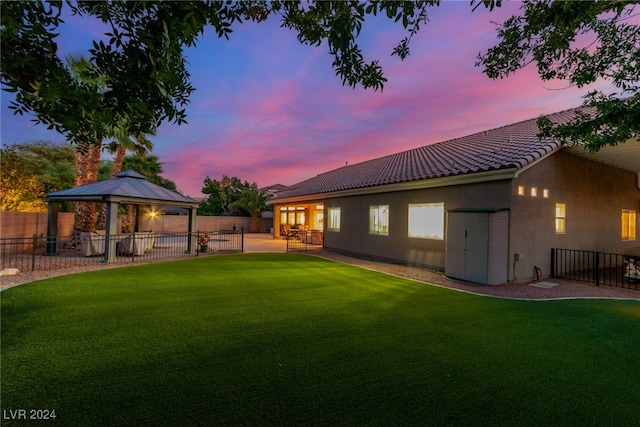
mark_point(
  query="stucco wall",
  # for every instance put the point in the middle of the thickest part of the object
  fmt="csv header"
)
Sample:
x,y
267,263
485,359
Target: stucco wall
x,y
354,231
180,223
26,224
594,195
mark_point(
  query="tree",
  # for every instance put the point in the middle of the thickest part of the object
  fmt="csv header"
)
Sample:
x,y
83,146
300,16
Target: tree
x,y
222,194
52,163
21,192
30,170
149,84
578,42
151,167
253,202
143,60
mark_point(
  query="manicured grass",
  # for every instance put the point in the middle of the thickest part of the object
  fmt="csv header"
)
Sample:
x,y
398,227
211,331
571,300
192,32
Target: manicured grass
x,y
286,339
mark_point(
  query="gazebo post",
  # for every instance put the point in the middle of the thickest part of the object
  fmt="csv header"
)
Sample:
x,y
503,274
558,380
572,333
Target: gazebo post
x,y
112,226
191,246
128,187
52,229
139,218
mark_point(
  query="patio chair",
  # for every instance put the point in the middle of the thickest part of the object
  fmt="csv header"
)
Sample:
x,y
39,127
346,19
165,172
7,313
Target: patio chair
x,y
137,244
285,231
92,243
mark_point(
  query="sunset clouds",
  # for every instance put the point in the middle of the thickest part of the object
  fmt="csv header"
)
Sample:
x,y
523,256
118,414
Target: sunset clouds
x,y
269,110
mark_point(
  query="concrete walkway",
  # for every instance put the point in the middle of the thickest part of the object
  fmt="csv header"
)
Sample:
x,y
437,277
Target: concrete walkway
x,y
263,242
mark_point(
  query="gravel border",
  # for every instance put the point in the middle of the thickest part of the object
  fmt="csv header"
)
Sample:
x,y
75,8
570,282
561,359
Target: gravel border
x,y
566,289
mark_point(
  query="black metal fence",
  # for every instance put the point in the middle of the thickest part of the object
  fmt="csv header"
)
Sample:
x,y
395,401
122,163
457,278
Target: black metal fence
x,y
41,253
304,240
600,268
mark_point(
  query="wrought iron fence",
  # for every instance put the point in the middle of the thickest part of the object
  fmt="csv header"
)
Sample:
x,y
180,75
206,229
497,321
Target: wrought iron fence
x,y
600,268
41,253
304,240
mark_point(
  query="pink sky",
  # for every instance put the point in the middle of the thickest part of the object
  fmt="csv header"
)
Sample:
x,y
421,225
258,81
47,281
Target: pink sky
x,y
269,110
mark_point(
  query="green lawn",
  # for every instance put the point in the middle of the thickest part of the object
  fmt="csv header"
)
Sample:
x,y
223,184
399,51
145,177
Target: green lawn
x,y
288,339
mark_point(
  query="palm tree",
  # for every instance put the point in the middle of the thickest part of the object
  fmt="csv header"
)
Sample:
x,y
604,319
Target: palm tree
x,y
253,202
139,144
87,153
113,126
87,171
119,146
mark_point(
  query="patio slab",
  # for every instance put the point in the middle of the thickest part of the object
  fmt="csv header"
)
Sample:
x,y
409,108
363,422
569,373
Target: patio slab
x,y
263,242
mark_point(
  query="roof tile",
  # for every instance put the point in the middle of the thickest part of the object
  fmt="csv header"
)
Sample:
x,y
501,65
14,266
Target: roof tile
x,y
512,146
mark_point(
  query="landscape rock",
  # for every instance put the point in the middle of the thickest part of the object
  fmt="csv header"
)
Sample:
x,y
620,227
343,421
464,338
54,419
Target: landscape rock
x,y
9,272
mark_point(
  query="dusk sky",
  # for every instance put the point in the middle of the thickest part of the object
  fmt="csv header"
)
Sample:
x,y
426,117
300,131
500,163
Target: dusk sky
x,y
270,110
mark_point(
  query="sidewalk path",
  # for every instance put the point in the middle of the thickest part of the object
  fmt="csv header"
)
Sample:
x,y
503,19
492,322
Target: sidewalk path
x,y
263,242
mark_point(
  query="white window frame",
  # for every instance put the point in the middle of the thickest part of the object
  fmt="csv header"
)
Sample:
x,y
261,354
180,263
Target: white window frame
x,y
426,221
333,218
379,220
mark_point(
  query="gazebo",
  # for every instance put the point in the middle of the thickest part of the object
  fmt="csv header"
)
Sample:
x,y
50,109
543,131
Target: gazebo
x,y
127,187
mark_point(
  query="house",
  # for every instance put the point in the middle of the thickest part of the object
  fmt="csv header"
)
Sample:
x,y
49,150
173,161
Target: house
x,y
486,208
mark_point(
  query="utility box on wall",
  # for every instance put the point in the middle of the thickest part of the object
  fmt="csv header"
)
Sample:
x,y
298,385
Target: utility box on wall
x,y
477,245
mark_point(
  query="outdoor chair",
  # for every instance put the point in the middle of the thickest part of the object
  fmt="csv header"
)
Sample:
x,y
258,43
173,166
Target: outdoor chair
x,y
632,268
316,237
92,243
285,231
137,244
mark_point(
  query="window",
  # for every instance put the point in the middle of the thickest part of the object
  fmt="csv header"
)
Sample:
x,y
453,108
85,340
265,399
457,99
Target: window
x,y
534,191
333,220
560,218
426,221
628,224
292,215
379,220
520,190
545,193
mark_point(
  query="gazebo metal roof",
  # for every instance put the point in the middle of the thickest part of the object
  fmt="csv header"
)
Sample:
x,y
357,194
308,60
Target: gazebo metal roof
x,y
126,187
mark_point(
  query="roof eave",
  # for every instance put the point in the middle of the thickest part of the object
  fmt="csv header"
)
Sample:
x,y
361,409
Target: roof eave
x,y
474,178
121,199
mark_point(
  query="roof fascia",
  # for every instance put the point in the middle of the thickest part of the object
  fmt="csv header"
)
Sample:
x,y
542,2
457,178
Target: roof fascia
x,y
479,177
141,201
120,199
535,162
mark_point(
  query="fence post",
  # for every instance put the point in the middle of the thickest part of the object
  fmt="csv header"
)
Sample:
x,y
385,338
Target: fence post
x,y
597,267
553,262
33,252
242,239
133,246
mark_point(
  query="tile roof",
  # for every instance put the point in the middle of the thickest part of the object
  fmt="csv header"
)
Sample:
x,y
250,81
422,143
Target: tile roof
x,y
512,146
127,184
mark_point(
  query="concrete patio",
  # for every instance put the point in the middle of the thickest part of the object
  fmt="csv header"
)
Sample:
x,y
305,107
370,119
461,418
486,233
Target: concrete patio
x,y
263,242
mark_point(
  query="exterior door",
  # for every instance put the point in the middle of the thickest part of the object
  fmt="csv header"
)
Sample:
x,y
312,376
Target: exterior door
x,y
477,246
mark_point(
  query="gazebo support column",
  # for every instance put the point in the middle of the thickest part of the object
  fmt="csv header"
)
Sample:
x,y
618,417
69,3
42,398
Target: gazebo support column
x,y
111,233
139,218
52,229
191,241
